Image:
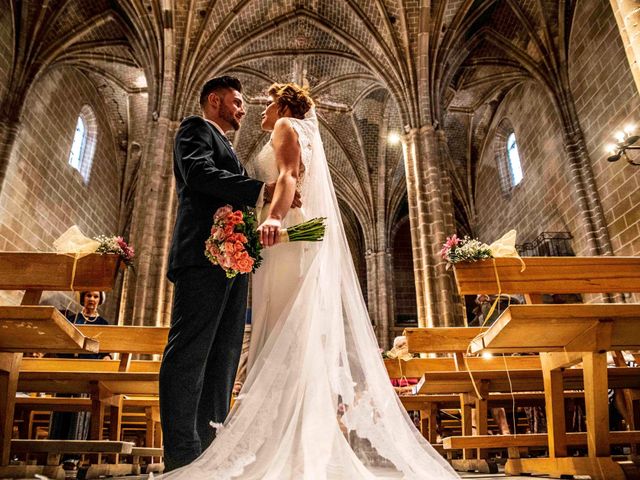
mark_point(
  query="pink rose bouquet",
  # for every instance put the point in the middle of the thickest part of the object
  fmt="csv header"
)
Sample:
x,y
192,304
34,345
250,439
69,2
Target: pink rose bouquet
x,y
235,245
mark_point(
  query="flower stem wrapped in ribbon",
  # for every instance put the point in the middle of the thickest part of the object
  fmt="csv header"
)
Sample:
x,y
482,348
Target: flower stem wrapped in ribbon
x,y
309,231
235,245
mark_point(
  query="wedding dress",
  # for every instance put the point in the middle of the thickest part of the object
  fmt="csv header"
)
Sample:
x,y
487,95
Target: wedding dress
x,y
317,403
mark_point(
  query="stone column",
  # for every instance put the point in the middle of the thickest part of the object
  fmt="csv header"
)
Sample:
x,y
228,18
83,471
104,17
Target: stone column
x,y
411,152
427,216
149,295
433,173
627,13
380,299
581,171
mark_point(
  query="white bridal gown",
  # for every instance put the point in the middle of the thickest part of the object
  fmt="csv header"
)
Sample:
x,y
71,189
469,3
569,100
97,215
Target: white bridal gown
x,y
317,403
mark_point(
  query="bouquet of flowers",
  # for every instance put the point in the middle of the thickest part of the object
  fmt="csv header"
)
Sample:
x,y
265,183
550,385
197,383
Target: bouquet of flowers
x,y
235,245
464,250
116,245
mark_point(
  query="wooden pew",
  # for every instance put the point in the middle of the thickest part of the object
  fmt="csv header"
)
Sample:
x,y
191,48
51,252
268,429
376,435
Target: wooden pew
x,y
90,376
455,341
563,328
54,449
501,381
138,453
128,340
441,340
505,400
30,327
564,335
416,367
85,365
148,407
574,439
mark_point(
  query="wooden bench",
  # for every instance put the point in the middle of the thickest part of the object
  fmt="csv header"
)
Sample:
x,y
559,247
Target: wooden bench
x,y
501,381
85,365
452,401
128,340
27,407
55,449
108,383
29,327
139,453
105,381
574,439
416,367
473,408
564,335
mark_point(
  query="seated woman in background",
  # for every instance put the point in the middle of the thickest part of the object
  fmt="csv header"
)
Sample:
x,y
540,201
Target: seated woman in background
x,y
88,315
75,425
90,301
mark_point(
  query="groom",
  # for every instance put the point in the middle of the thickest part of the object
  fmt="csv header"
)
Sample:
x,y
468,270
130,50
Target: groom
x,y
207,323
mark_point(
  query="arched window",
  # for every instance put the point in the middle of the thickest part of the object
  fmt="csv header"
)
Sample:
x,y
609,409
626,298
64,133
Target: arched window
x,y
515,169
79,142
507,155
84,142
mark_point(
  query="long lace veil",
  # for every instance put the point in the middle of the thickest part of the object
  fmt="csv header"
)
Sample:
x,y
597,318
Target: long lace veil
x,y
317,403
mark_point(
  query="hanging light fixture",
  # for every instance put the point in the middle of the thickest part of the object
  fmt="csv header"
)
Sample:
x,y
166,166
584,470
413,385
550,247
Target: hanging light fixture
x,y
625,140
393,138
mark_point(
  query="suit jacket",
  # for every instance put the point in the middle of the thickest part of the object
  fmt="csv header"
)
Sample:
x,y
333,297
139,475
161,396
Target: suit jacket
x,y
208,176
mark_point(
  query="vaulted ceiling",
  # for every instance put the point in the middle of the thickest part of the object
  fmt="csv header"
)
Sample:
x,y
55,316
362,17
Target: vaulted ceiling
x,y
373,66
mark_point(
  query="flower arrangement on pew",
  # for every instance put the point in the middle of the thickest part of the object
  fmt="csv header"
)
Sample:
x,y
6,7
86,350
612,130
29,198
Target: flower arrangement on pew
x,y
74,243
235,245
464,250
116,245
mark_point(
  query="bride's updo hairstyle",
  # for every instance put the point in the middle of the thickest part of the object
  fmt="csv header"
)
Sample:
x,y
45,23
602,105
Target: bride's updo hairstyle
x,y
293,96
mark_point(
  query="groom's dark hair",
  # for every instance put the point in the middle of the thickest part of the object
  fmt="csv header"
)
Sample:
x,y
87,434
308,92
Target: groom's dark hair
x,y
219,83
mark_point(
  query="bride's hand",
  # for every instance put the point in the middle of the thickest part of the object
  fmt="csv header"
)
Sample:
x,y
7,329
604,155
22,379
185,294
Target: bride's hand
x,y
269,231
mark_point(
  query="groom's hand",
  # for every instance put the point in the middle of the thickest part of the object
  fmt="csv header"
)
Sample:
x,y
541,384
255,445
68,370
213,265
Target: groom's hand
x,y
269,231
269,188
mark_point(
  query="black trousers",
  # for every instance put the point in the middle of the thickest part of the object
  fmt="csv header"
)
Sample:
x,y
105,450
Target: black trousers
x,y
200,360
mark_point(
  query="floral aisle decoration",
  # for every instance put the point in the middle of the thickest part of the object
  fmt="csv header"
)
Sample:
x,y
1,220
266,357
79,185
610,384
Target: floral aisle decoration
x,y
464,250
117,245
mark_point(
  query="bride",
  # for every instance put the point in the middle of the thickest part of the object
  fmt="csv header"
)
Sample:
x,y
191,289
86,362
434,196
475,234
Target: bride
x,y
317,403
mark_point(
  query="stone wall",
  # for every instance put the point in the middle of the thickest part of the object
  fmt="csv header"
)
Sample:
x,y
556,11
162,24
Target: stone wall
x,y
544,200
43,195
607,100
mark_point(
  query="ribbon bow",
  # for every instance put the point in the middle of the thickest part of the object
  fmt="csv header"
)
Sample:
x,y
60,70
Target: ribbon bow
x,y
74,241
75,244
505,247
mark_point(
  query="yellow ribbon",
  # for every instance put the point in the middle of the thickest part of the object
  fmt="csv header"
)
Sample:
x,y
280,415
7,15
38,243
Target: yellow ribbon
x,y
504,247
400,353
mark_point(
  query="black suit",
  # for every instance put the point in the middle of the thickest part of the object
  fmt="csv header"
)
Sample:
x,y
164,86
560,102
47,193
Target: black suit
x,y
207,322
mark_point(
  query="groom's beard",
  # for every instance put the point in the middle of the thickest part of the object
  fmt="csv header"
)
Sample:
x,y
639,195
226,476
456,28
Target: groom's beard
x,y
227,116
